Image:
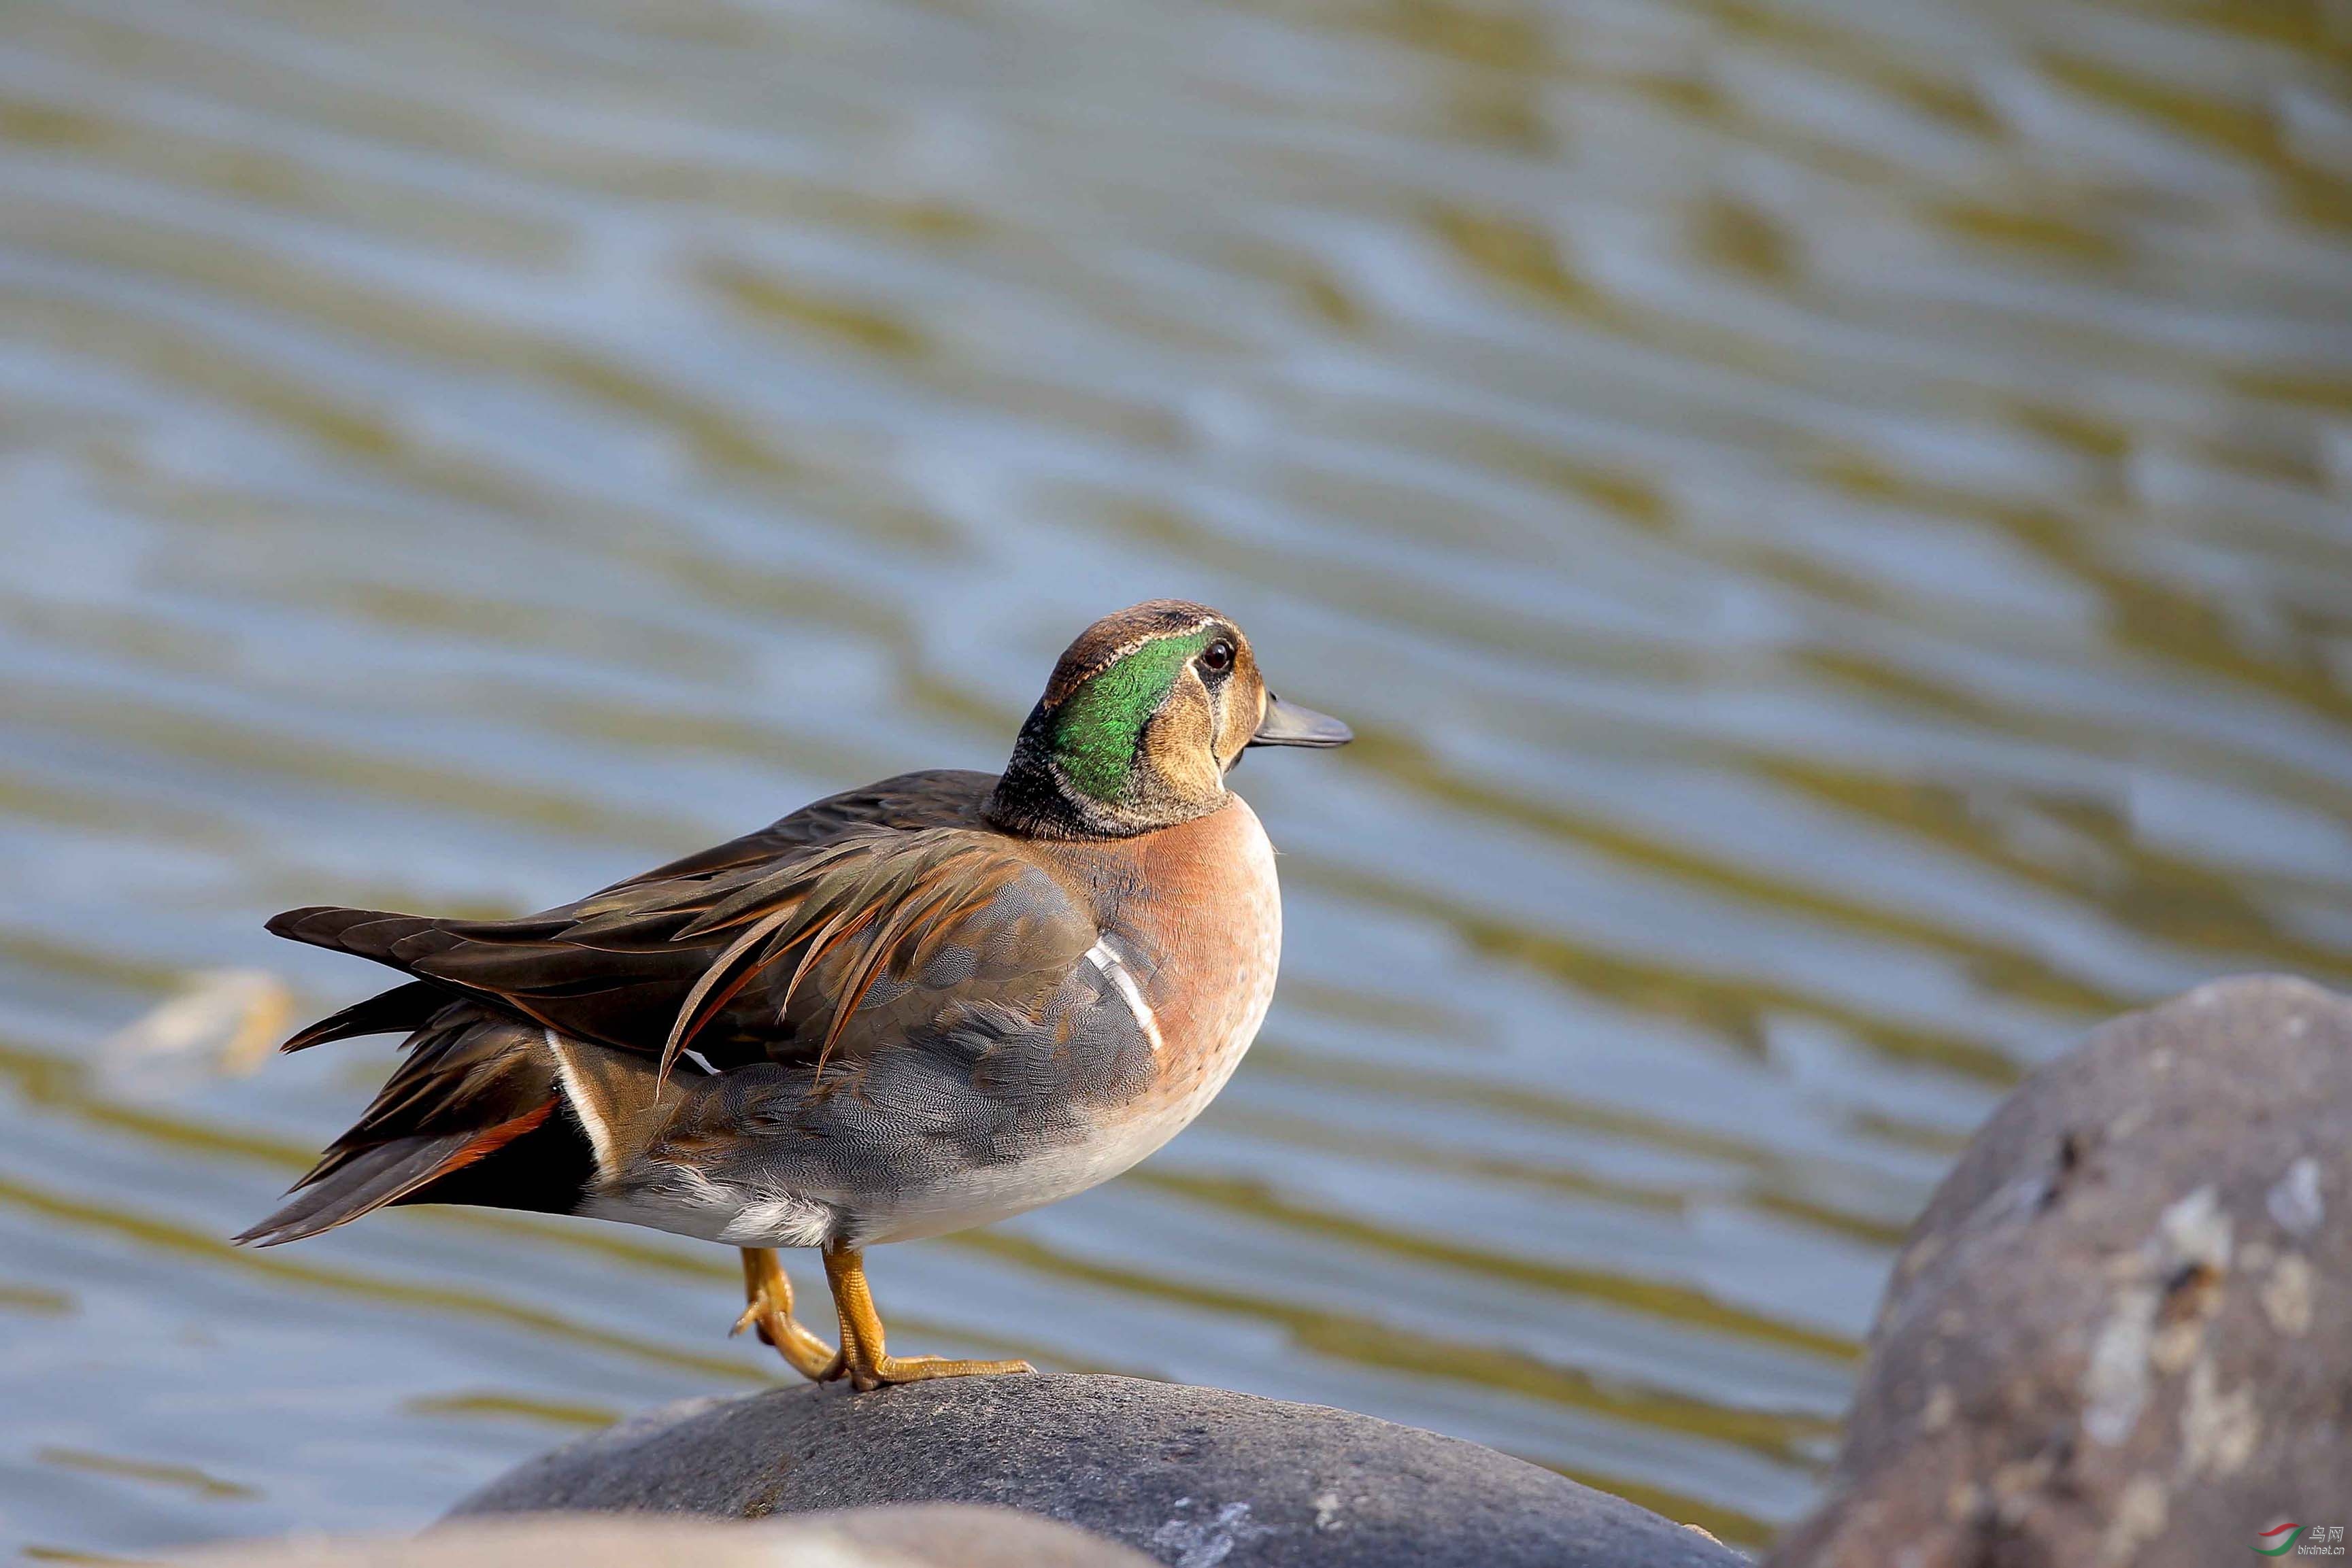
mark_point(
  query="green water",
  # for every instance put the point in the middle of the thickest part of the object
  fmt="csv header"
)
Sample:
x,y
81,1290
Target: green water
x,y
1833,521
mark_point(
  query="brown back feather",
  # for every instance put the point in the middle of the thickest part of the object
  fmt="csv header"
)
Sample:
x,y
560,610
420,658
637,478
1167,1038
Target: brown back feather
x,y
852,890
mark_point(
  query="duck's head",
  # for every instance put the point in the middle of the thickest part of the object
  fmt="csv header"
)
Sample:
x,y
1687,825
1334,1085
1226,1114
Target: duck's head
x,y
1146,714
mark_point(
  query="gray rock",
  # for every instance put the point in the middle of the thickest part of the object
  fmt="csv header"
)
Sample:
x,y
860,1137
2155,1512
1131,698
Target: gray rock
x,y
2122,1331
1193,1477
943,1536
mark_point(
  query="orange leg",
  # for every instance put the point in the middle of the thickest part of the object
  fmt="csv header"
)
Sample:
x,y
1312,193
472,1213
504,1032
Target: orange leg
x,y
870,1365
770,1294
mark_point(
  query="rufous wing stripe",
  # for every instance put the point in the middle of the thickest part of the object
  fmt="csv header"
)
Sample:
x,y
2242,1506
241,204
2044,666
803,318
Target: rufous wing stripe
x,y
494,1139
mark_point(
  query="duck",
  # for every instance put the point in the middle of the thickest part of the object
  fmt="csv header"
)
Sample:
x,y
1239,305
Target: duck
x,y
900,1011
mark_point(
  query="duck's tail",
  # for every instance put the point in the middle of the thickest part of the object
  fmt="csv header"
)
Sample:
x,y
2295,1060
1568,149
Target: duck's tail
x,y
473,1115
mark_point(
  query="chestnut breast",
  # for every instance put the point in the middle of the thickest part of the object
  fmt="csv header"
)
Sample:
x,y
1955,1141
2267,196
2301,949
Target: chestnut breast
x,y
1195,916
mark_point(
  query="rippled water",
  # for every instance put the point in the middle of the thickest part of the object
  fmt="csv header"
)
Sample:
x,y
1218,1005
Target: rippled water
x,y
1831,517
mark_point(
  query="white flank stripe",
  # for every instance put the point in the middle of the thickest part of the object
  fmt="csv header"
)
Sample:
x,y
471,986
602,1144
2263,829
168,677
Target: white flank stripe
x,y
600,1136
1105,959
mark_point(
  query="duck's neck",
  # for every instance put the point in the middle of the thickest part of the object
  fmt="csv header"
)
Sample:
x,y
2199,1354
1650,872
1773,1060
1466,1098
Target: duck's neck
x,y
1035,799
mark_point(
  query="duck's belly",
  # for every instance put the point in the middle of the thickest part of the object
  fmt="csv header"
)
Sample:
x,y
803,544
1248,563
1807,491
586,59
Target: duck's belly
x,y
990,1193
747,1207
749,1211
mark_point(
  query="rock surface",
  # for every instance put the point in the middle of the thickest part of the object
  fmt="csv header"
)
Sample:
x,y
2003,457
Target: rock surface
x,y
1191,1477
946,1536
2122,1331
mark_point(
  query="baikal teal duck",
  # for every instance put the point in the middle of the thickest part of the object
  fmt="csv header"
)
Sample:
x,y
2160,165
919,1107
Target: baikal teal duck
x,y
900,1011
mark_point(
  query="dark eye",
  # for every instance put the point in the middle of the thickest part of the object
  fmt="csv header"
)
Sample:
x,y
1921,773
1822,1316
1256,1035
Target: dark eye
x,y
1217,657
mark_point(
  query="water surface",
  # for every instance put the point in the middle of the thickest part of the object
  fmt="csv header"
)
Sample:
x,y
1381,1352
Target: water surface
x,y
1833,521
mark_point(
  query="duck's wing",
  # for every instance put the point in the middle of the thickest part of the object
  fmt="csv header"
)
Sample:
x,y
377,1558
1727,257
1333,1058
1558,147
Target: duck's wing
x,y
868,941
935,799
765,949
937,982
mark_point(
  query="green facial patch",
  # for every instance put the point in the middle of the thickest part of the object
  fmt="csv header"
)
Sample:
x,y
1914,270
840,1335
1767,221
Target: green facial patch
x,y
1096,727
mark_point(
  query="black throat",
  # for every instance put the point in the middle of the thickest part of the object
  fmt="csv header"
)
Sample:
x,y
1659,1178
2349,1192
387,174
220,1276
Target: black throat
x,y
1032,800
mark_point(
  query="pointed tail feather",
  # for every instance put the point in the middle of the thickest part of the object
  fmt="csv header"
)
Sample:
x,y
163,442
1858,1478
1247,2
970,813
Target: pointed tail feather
x,y
491,961
396,1011
375,934
472,1083
343,1190
368,1180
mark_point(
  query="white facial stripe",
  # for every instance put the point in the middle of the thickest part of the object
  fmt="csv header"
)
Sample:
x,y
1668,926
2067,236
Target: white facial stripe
x,y
1106,957
600,1135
